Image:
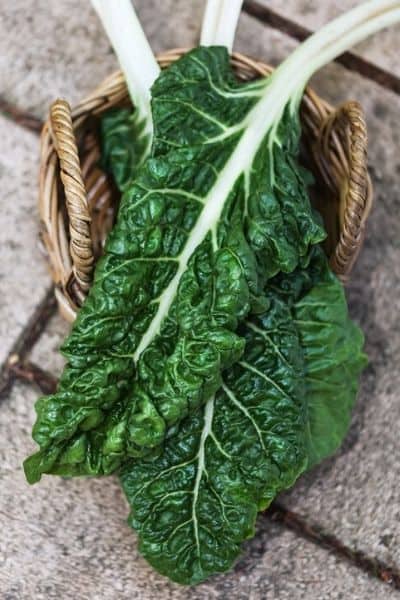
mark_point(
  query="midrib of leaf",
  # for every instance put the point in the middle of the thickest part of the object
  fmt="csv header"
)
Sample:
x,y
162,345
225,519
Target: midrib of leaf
x,y
246,413
239,163
259,373
208,418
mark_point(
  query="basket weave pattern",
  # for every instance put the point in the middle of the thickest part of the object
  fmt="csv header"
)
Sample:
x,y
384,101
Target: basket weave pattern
x,y
78,202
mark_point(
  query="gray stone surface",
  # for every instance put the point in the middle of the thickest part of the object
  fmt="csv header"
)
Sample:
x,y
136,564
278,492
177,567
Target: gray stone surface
x,y
69,539
59,49
261,42
46,353
23,274
381,48
38,46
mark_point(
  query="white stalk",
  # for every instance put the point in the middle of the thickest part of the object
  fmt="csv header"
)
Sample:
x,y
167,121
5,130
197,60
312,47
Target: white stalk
x,y
210,22
220,22
284,87
290,78
133,51
341,34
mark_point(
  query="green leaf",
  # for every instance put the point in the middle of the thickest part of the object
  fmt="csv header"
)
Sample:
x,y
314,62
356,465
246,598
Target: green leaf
x,y
283,407
334,358
123,145
332,345
207,220
196,503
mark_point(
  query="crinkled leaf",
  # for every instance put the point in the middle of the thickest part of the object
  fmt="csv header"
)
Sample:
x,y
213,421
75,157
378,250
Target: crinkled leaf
x,y
199,231
196,503
334,358
123,145
284,406
333,351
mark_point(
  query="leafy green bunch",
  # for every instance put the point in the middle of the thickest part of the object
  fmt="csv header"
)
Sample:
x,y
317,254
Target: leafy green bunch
x,y
214,359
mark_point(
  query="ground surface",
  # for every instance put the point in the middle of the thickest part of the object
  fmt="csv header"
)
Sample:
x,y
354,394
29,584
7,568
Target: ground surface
x,y
337,533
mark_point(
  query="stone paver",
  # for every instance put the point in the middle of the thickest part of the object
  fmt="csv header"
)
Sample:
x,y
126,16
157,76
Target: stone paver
x,y
35,73
382,48
69,539
46,353
59,49
23,274
258,41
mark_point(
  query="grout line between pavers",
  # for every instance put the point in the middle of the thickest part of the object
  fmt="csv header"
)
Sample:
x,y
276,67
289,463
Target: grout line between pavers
x,y
19,116
316,534
30,372
26,340
312,532
348,60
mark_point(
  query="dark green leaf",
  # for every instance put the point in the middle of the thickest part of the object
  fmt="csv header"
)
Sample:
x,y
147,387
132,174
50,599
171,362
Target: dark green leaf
x,y
334,358
199,231
283,407
123,145
196,503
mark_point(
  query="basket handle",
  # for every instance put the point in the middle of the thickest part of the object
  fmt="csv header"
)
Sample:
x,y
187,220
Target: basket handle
x,y
343,162
75,194
344,170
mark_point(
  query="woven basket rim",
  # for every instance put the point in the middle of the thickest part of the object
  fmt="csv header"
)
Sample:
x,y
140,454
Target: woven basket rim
x,y
70,251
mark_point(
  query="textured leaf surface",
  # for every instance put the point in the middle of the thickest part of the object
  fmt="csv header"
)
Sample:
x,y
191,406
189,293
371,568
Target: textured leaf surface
x,y
283,407
124,145
195,504
334,358
332,345
199,231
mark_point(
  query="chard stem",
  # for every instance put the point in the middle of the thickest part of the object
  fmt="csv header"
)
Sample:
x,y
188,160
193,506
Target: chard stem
x,y
220,22
133,50
210,22
286,85
338,36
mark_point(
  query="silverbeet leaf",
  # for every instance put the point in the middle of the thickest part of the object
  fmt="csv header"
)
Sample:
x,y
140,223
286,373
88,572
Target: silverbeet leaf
x,y
333,352
332,345
124,145
196,503
208,219
275,415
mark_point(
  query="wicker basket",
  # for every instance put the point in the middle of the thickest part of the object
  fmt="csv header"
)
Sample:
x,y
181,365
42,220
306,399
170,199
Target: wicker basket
x,y
78,203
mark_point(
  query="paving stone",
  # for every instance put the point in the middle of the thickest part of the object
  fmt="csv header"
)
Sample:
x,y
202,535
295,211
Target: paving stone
x,y
46,352
69,539
381,48
59,49
42,63
171,23
23,274
261,42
